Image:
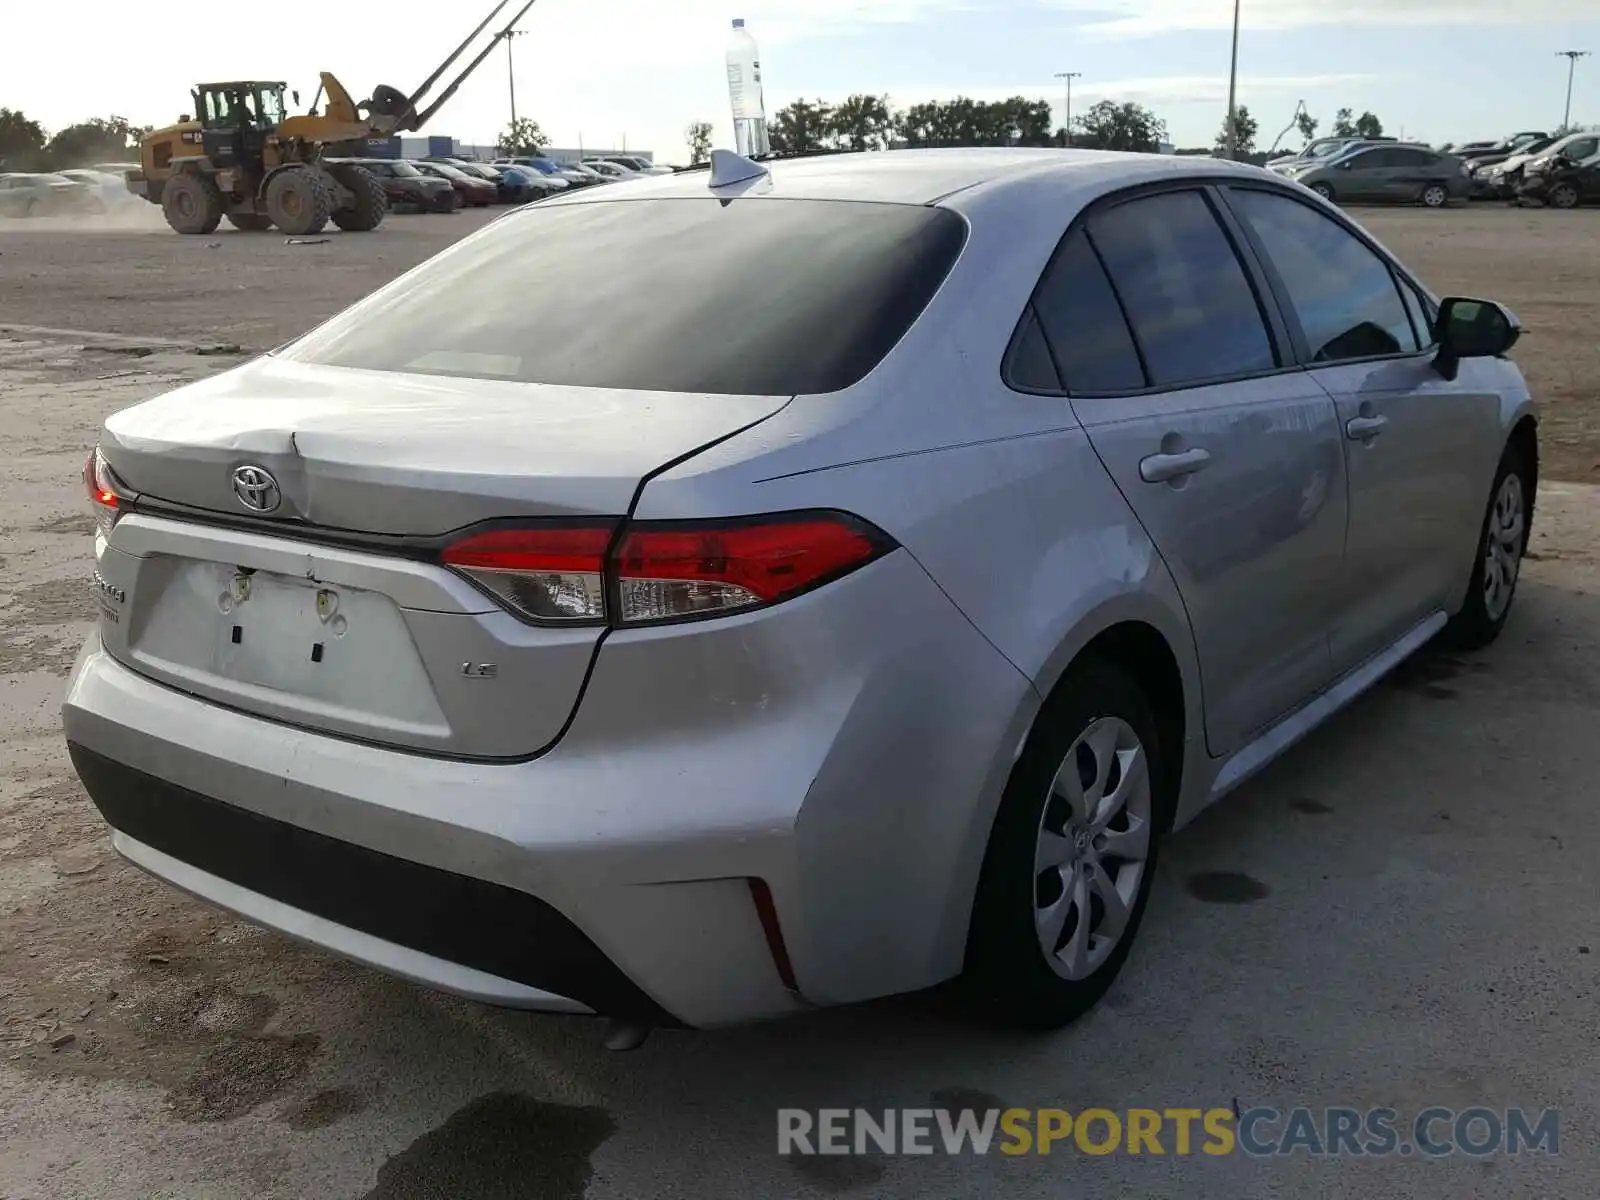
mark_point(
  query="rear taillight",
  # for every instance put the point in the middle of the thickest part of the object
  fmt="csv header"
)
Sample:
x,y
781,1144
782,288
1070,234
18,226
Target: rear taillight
x,y
105,496
547,574
669,572
663,571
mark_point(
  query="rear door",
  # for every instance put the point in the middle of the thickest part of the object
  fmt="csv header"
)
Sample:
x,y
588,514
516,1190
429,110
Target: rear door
x,y
1414,443
1409,171
1362,176
1228,455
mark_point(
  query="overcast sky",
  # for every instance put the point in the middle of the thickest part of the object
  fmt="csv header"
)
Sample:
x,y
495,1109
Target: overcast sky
x,y
601,70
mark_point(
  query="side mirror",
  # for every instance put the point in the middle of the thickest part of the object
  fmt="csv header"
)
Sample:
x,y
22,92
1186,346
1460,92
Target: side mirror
x,y
1472,329
1344,166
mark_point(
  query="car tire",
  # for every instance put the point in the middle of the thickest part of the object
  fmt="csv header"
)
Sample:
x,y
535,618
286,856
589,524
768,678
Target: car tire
x,y
1563,195
1497,565
1324,191
1087,798
1434,195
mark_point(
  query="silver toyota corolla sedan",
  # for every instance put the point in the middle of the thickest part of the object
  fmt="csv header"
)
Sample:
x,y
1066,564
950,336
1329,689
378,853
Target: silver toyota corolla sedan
x,y
851,602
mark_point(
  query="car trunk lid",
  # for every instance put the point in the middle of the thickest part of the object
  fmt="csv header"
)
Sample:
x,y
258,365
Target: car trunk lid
x,y
332,611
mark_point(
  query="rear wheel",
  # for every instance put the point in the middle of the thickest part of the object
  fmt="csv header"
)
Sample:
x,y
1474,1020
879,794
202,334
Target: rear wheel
x,y
1067,872
192,204
370,203
1323,190
1501,544
1435,195
250,222
297,203
1564,195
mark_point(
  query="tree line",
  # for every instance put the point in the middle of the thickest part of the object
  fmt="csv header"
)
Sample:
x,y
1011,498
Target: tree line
x,y
25,145
871,122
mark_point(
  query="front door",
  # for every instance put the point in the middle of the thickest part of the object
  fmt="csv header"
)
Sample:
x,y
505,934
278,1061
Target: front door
x,y
1231,462
1413,442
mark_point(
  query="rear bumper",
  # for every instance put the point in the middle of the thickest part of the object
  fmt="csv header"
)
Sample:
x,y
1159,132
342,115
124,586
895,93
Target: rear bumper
x,y
847,749
428,925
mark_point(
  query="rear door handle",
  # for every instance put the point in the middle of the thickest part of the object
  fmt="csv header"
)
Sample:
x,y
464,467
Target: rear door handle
x,y
1163,468
1364,429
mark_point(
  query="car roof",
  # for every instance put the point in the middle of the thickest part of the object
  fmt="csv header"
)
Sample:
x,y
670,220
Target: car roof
x,y
929,176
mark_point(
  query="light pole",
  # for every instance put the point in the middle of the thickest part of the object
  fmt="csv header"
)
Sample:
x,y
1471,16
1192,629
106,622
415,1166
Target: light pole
x,y
1066,125
1233,85
1572,57
511,69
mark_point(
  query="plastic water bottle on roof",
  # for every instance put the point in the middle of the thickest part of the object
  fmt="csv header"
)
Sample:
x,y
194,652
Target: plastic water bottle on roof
x,y
744,90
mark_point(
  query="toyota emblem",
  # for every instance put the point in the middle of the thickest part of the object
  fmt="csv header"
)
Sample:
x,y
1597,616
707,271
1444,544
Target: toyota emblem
x,y
256,488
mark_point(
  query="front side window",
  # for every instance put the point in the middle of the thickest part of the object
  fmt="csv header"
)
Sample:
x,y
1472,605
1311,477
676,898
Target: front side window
x,y
749,297
1420,312
1343,293
1193,312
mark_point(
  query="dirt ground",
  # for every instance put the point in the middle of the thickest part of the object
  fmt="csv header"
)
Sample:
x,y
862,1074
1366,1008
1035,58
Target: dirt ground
x,y
1408,914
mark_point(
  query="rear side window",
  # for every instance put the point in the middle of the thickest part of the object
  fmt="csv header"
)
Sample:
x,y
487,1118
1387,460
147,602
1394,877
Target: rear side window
x,y
1344,295
752,297
1193,312
1083,323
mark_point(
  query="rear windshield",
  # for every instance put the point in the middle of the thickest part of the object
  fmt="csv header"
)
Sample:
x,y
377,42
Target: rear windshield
x,y
752,297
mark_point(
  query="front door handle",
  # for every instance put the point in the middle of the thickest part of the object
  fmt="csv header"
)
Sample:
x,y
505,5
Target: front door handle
x,y
1163,468
1364,429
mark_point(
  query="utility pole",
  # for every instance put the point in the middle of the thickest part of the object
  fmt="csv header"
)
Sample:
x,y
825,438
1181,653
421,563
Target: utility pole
x,y
1572,57
1233,85
1066,125
511,68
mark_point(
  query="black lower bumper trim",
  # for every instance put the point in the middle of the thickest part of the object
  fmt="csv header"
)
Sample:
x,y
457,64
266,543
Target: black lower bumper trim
x,y
475,923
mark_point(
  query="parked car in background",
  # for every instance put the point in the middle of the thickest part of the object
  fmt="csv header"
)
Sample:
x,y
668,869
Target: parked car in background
x,y
549,168
47,195
1320,151
586,174
1566,174
578,656
531,183
111,188
478,193
1394,173
610,170
405,185
1500,180
507,191
1480,161
634,163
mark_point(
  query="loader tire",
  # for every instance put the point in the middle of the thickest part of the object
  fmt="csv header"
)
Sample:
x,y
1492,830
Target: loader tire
x,y
250,222
297,203
192,204
370,204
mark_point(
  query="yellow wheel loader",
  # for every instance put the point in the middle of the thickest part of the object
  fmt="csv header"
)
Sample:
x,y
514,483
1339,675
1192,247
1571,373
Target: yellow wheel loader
x,y
244,157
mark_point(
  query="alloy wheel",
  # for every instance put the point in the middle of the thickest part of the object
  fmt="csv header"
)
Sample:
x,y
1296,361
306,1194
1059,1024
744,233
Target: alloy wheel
x,y
1434,196
1093,847
1502,548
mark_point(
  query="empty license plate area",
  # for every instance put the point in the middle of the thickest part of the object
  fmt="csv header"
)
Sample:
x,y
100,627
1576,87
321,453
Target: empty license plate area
x,y
284,646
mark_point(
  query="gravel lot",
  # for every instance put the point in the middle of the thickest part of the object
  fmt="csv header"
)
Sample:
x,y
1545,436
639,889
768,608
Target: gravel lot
x,y
1405,915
